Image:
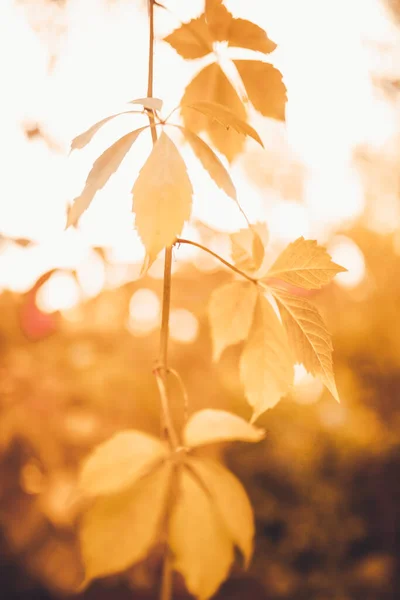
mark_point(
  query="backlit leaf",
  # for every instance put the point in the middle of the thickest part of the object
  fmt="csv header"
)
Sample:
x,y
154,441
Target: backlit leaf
x,y
150,103
191,40
264,87
200,543
210,425
119,462
162,197
248,246
210,162
212,85
245,34
230,312
266,370
101,172
308,337
84,138
119,530
305,264
231,501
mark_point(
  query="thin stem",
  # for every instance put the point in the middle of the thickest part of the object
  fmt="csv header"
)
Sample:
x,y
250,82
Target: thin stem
x,y
218,257
166,582
164,334
151,70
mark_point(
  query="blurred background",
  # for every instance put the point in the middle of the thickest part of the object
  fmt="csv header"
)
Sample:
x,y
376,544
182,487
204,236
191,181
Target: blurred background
x,y
79,329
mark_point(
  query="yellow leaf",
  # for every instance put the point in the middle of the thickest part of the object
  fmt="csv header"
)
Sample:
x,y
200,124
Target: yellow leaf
x,y
248,247
230,312
84,138
101,172
162,197
191,40
150,103
200,543
211,163
212,85
308,337
266,370
118,531
264,87
210,425
305,264
231,501
119,462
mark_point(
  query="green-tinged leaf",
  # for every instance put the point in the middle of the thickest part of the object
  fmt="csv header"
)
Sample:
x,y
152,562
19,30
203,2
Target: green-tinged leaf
x,y
162,197
101,172
231,500
120,530
305,264
210,426
308,337
201,545
84,138
264,87
210,162
212,85
266,369
230,311
248,246
150,103
119,462
245,34
192,39
226,117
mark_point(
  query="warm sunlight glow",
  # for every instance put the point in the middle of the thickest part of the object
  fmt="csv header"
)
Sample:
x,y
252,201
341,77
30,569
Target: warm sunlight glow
x,y
60,292
144,312
346,252
183,326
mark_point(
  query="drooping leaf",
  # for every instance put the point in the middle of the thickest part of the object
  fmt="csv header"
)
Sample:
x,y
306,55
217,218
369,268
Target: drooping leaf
x,y
305,264
150,103
264,87
84,138
248,246
210,426
212,85
210,162
230,311
308,337
231,500
191,40
119,530
119,462
101,172
162,197
266,370
200,543
226,117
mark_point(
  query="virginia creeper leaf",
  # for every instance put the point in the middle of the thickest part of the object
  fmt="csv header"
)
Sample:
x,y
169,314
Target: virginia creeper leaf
x,y
305,264
119,462
200,543
150,103
231,500
211,425
264,87
191,40
248,246
119,530
84,138
245,34
266,370
212,85
162,197
210,162
230,312
101,172
308,337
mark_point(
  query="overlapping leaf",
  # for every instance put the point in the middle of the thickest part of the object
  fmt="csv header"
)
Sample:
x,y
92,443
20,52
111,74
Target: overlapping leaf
x,y
162,197
230,311
305,264
209,426
308,337
192,40
264,86
266,369
248,247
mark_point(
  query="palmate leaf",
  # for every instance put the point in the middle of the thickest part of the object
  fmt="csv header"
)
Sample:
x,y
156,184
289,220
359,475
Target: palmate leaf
x,y
248,247
101,172
210,426
264,86
266,369
162,197
308,337
191,40
305,264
